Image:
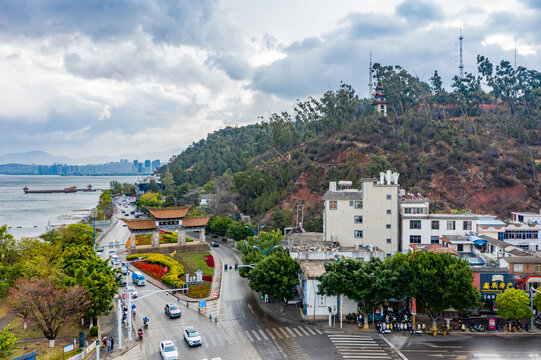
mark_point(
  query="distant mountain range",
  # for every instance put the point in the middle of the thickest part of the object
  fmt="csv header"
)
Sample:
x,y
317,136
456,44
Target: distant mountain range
x,y
44,158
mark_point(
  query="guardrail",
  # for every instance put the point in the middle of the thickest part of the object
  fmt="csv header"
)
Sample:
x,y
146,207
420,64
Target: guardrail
x,y
85,353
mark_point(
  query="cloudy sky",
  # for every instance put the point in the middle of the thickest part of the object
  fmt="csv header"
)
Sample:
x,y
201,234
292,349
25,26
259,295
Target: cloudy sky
x,y
108,77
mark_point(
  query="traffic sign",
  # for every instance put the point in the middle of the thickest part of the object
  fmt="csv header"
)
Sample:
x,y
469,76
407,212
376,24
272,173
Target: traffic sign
x,y
214,295
202,303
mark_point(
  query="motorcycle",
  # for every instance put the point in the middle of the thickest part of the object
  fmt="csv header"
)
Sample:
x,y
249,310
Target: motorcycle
x,y
140,334
145,322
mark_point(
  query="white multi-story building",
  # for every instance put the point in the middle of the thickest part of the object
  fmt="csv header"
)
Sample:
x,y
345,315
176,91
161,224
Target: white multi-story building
x,y
420,228
363,218
522,231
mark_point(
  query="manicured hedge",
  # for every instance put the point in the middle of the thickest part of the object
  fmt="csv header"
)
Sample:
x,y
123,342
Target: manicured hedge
x,y
176,270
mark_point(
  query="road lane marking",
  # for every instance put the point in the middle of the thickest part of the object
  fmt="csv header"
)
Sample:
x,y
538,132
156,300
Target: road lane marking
x,y
255,335
317,330
277,333
307,328
263,334
297,331
304,331
393,347
249,337
284,332
292,333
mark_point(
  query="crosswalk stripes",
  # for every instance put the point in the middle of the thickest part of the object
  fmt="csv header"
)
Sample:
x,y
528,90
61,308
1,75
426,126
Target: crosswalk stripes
x,y
282,332
358,347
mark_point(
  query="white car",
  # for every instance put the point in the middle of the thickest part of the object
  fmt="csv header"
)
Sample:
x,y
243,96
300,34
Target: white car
x,y
132,292
168,351
192,337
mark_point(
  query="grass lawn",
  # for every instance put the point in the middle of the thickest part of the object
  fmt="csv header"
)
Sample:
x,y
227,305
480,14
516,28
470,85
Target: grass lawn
x,y
44,351
193,261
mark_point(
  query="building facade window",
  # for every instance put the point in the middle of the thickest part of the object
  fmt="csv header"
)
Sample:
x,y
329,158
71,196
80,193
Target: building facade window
x,y
518,268
414,210
388,226
357,219
357,234
434,239
459,247
467,225
451,225
537,268
388,211
358,204
389,241
333,205
518,234
435,225
415,224
389,197
415,239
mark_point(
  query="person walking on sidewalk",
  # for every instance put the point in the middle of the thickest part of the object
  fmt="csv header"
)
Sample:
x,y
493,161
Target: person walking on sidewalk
x,y
112,343
109,345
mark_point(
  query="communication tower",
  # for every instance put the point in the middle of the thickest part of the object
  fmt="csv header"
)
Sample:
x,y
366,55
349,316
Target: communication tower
x,y
370,84
461,64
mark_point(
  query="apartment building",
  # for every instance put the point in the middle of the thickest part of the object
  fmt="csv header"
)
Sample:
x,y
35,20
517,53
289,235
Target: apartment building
x,y
366,217
420,228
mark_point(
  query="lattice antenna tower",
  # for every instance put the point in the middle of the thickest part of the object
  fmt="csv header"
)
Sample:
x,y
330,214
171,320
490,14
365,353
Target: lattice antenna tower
x,y
370,84
461,64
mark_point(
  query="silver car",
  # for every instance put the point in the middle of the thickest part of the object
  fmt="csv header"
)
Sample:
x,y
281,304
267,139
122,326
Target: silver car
x,y
192,337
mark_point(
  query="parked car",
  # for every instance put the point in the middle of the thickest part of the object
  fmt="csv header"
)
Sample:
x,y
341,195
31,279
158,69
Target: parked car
x,y
138,278
99,248
192,337
132,292
124,269
172,310
215,244
122,281
168,351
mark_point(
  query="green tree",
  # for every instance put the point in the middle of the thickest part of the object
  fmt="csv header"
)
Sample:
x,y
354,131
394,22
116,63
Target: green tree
x,y
537,300
514,304
441,281
219,225
265,241
281,218
7,340
238,231
83,268
149,199
276,274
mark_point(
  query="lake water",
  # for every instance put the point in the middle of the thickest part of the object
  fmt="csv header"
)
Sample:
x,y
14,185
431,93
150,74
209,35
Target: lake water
x,y
29,214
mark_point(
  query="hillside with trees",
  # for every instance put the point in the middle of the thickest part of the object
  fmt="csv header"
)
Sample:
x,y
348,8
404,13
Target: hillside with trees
x,y
476,147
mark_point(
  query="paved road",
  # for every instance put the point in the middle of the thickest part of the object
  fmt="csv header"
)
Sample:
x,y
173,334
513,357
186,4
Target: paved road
x,y
464,346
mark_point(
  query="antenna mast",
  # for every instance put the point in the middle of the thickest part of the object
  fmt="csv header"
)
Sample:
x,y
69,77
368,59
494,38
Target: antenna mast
x,y
461,64
370,85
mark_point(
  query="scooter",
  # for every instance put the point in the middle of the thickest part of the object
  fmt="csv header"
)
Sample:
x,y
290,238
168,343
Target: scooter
x,y
145,322
140,334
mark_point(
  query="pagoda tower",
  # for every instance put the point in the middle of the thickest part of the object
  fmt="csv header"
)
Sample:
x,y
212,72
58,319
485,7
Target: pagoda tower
x,y
379,101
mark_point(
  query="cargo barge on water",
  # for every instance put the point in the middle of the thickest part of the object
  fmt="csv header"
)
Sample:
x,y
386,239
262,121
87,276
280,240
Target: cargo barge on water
x,y
70,189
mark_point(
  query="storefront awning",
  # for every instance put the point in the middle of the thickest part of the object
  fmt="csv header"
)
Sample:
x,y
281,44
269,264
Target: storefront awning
x,y
534,279
480,242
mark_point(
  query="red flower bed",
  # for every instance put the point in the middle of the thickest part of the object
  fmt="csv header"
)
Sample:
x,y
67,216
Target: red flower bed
x,y
209,261
154,270
207,278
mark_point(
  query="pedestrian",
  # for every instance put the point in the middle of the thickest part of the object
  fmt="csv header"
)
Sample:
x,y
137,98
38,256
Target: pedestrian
x,y
104,341
112,343
109,345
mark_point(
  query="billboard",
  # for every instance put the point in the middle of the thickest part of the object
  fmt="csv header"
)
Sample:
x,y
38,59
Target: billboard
x,y
490,284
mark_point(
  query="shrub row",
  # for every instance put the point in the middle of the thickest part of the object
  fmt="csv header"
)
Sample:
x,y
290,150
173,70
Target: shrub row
x,y
157,271
176,270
